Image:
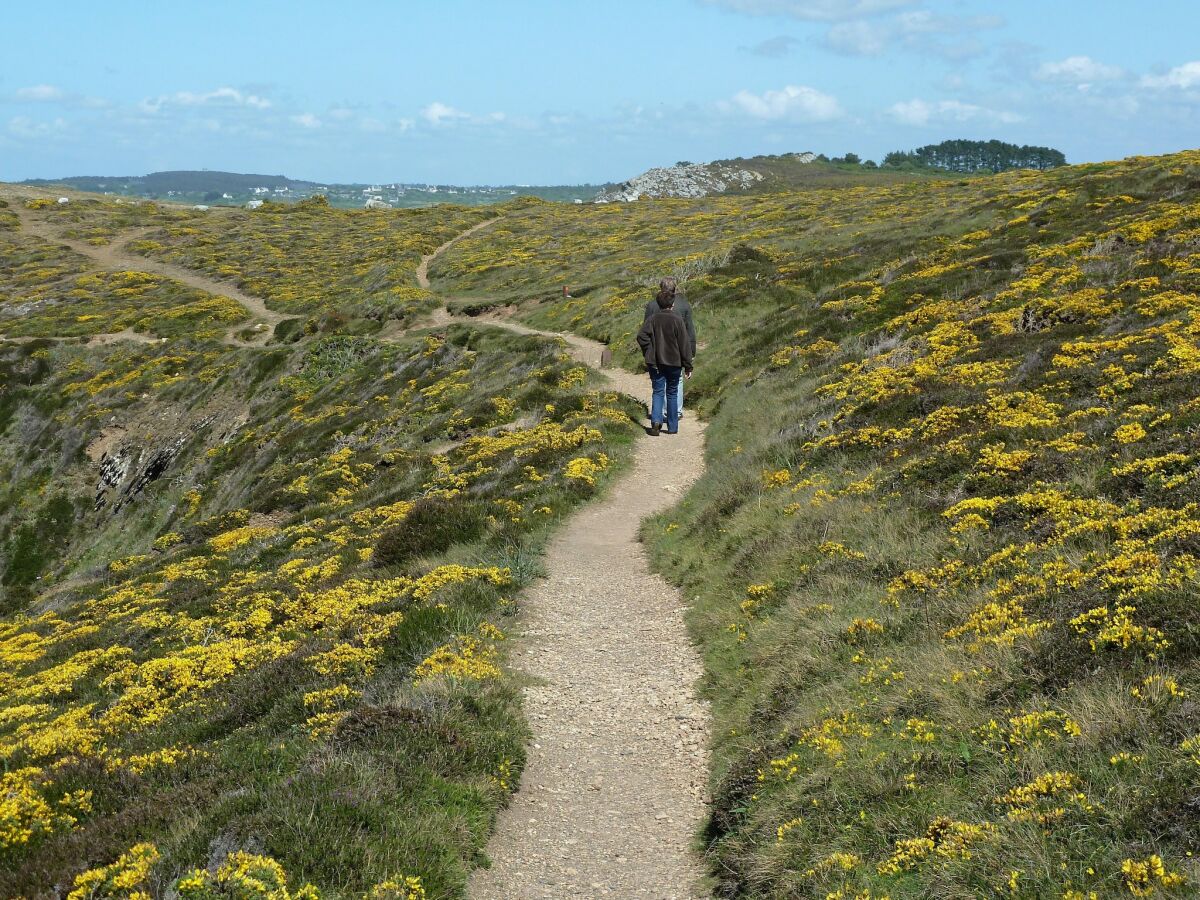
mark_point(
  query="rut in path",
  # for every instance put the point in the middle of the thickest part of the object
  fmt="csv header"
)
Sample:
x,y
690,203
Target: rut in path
x,y
114,256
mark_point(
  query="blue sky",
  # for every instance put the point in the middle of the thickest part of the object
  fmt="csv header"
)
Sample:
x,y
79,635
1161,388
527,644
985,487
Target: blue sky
x,y
535,91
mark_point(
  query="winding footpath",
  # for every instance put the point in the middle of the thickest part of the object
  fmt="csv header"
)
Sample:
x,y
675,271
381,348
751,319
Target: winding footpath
x,y
114,256
614,787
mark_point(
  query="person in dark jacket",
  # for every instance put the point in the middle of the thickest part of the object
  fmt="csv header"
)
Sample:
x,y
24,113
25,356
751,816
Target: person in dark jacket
x,y
667,350
685,312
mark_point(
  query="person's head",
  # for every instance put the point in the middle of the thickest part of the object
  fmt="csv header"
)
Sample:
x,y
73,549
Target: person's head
x,y
666,293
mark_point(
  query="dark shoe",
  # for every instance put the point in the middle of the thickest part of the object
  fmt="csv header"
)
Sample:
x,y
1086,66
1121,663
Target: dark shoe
x,y
655,430
676,431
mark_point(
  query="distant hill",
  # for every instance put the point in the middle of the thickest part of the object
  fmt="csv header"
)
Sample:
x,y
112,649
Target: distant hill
x,y
756,174
235,188
185,181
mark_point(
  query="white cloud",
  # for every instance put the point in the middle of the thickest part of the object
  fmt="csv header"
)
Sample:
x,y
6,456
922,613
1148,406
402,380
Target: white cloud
x,y
25,127
438,113
922,112
1185,76
801,103
49,93
222,96
911,112
858,38
1080,70
947,36
40,93
773,48
306,120
811,10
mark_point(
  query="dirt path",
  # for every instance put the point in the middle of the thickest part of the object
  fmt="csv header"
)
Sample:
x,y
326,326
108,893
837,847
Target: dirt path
x,y
615,783
423,267
614,787
95,340
114,256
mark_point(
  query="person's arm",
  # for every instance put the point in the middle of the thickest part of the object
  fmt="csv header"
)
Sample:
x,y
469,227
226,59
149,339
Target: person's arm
x,y
651,309
645,337
691,329
685,349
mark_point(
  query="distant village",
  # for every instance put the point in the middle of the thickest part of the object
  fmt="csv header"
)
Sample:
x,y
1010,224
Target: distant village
x,y
347,196
204,188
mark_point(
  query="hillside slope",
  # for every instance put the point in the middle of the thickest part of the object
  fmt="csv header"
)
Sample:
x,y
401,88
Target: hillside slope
x,y
944,564
253,599
942,567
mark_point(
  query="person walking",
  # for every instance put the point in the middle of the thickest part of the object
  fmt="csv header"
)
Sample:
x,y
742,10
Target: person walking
x,y
667,349
685,312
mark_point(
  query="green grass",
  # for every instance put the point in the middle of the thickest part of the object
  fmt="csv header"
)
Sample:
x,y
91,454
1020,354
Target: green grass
x,y
268,532
874,358
941,568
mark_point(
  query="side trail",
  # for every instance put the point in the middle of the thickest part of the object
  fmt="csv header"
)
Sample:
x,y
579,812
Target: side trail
x,y
614,786
114,256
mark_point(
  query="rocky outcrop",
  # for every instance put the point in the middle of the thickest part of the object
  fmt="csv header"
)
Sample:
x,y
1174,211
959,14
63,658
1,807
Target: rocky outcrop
x,y
689,180
125,472
130,455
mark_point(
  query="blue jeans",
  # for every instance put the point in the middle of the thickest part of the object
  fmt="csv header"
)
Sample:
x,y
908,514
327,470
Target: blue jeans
x,y
666,382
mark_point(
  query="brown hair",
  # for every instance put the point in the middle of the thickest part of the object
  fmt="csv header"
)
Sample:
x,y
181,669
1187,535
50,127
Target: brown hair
x,y
666,291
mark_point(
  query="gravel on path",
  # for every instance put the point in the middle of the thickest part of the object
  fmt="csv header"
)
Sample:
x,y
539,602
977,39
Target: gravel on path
x,y
615,784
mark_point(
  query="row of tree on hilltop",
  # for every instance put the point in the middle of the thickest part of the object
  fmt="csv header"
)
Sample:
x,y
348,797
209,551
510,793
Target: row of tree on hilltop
x,y
976,156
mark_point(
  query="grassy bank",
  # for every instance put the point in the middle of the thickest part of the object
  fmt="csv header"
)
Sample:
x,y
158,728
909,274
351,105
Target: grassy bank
x,y
943,565
254,601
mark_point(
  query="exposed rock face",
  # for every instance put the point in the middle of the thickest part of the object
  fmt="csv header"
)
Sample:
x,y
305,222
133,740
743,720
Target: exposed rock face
x,y
125,472
132,454
688,180
695,180
17,309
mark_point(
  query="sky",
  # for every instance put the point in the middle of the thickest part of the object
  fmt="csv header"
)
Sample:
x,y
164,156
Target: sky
x,y
570,91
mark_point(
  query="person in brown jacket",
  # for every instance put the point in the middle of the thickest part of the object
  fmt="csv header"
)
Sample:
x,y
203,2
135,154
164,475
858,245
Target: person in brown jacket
x,y
667,348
